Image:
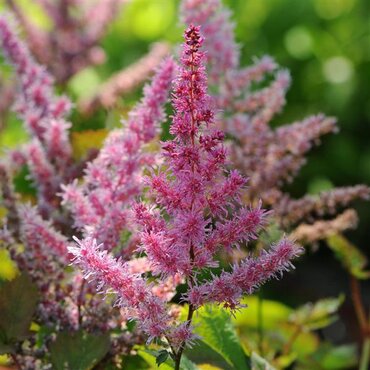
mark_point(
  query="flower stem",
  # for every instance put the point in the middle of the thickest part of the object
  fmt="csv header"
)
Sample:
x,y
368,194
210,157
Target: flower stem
x,y
365,355
358,304
260,323
181,349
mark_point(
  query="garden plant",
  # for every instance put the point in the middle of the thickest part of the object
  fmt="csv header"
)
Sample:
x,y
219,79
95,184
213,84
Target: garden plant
x,y
148,242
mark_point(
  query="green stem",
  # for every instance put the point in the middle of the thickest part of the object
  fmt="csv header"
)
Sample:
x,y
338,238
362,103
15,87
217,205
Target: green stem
x,y
358,304
365,355
181,349
260,323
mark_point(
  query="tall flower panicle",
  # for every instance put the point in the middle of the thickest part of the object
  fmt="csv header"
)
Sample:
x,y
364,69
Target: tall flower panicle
x,y
49,155
35,98
216,22
311,207
195,213
112,180
72,42
245,277
247,99
38,233
134,294
199,200
45,250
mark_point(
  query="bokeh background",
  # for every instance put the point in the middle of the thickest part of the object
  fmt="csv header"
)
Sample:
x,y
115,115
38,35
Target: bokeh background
x,y
326,46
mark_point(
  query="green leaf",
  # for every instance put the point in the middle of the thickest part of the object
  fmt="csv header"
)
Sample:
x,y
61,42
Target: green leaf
x,y
317,315
161,357
84,141
201,354
327,357
78,350
259,363
8,268
187,364
342,357
133,362
353,260
18,300
305,344
273,313
150,358
213,324
85,83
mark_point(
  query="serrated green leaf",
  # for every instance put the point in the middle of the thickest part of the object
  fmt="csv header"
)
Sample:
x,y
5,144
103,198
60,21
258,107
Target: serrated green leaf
x,y
202,353
18,300
213,324
161,357
150,358
353,260
259,363
317,315
78,350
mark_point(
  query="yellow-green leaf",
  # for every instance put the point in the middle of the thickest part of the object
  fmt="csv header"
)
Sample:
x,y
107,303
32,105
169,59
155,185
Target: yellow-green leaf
x,y
350,256
83,141
316,315
213,324
273,313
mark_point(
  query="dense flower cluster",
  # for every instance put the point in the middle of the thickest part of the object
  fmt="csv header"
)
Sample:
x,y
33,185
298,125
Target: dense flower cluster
x,y
270,157
197,213
37,237
114,177
48,155
72,42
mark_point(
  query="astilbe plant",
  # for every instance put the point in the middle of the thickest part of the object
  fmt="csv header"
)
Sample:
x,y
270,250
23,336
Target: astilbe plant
x,y
247,99
113,178
37,237
196,212
73,43
49,154
140,237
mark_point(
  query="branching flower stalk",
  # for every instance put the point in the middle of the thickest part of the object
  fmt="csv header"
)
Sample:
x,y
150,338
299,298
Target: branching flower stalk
x,y
196,213
246,102
100,204
73,41
67,303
